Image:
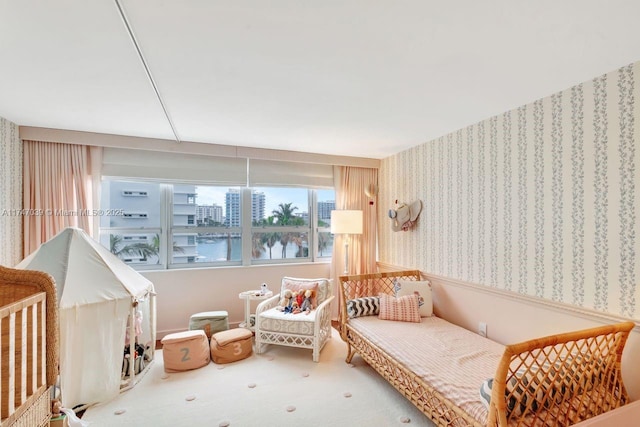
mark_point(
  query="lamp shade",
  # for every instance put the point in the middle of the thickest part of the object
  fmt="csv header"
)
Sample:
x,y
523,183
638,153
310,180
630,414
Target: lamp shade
x,y
346,222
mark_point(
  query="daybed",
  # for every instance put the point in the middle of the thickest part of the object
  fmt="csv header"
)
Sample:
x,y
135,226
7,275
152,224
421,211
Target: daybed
x,y
29,347
553,381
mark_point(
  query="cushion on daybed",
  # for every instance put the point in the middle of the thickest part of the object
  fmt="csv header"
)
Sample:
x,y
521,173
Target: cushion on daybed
x,y
577,373
453,360
422,289
365,306
570,375
526,391
402,309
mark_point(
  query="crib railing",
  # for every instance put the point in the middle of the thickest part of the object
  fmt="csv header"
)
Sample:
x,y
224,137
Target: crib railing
x,y
23,361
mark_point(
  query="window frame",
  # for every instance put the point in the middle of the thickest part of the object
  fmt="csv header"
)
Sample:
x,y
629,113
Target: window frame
x,y
246,230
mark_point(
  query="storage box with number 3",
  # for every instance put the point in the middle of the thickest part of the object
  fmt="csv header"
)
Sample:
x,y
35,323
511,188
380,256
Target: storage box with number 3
x,y
232,345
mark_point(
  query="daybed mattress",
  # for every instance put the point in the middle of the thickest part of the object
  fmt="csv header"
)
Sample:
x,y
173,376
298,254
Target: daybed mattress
x,y
452,359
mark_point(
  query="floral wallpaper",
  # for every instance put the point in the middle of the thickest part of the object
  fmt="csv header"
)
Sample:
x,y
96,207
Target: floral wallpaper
x,y
540,200
10,194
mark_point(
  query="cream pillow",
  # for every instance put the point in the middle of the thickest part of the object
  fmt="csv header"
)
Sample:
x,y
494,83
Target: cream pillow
x,y
420,288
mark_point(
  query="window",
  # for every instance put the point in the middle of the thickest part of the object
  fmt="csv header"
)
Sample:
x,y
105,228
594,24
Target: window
x,y
325,204
129,193
135,235
135,215
280,221
177,225
203,236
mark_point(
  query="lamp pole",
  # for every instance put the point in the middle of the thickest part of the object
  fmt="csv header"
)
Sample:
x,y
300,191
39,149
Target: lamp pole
x,y
346,222
346,254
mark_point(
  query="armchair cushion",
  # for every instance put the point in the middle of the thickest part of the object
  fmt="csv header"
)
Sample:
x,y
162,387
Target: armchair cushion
x,y
277,321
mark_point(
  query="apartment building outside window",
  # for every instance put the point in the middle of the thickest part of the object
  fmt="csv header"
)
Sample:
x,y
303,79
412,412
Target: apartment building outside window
x,y
215,225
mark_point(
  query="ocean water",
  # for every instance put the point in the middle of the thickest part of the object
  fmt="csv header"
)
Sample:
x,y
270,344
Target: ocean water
x,y
216,250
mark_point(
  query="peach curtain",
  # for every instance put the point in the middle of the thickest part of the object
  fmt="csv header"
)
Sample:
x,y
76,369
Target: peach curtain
x,y
58,191
350,184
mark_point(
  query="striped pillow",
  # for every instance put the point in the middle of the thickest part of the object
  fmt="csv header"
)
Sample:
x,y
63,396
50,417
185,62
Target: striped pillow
x,y
526,391
365,306
403,309
576,373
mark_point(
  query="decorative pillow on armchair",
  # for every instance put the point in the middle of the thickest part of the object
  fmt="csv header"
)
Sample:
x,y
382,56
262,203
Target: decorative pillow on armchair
x,y
301,285
403,309
420,288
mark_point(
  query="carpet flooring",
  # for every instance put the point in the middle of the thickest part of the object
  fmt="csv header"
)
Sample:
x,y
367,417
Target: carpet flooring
x,y
282,387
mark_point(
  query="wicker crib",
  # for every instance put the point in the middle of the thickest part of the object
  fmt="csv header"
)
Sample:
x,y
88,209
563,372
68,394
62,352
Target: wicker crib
x,y
28,347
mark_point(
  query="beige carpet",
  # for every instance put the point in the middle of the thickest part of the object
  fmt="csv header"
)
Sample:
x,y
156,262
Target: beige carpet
x,y
282,387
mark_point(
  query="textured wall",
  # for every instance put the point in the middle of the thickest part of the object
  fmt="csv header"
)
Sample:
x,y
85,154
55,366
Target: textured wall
x,y
541,200
10,194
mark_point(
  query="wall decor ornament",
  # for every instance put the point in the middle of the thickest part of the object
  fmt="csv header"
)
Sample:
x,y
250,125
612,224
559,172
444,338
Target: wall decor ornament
x,y
371,191
404,216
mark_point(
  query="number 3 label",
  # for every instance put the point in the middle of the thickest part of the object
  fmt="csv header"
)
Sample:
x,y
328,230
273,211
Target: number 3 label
x,y
237,348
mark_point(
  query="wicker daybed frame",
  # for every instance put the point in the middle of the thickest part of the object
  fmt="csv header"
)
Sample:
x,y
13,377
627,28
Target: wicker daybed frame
x,y
577,374
28,347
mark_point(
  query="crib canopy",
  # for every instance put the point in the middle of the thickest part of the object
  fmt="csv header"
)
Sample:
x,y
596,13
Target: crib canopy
x,y
96,294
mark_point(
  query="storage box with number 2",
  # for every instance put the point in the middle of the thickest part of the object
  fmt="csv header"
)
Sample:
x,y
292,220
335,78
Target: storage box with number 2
x,y
183,351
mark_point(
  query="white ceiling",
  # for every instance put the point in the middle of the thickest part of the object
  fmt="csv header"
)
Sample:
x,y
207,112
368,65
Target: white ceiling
x,y
364,78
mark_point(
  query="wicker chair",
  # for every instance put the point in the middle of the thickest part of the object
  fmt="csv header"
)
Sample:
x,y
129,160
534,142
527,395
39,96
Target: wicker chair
x,y
311,330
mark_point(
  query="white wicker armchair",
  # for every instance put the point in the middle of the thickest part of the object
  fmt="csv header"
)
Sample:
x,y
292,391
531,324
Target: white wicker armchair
x,y
296,330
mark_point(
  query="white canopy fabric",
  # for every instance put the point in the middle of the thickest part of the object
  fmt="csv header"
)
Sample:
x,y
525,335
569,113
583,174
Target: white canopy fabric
x,y
96,293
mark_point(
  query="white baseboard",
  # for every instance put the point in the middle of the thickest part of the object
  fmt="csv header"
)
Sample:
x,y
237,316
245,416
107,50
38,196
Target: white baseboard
x,y
164,333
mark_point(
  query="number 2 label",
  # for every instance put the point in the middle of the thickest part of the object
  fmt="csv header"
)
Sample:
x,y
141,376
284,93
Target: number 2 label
x,y
186,357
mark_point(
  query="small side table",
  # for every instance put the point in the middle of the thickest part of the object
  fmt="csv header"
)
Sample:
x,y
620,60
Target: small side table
x,y
249,296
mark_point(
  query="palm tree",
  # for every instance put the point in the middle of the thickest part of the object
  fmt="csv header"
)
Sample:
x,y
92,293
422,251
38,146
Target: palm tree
x,y
284,214
257,246
299,241
323,242
284,241
143,250
270,240
155,243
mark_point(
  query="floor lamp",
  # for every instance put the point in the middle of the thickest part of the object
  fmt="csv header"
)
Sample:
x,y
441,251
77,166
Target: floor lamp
x,y
346,222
